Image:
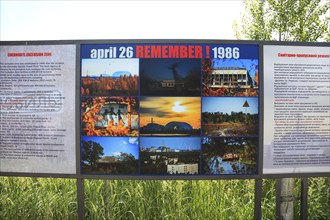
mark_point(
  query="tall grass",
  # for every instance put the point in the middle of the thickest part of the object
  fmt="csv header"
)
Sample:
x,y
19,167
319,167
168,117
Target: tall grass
x,y
46,198
268,205
37,198
171,199
319,198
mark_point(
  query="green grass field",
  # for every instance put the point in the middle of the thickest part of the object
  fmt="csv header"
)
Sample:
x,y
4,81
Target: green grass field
x,y
46,198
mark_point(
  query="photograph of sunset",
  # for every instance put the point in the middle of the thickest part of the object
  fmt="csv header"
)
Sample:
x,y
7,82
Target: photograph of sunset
x,y
170,116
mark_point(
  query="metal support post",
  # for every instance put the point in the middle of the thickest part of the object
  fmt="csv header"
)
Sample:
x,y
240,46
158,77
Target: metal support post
x,y
257,198
80,198
304,199
278,199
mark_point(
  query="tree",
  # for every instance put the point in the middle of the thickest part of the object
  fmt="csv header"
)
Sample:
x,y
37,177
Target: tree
x,y
91,152
285,20
125,157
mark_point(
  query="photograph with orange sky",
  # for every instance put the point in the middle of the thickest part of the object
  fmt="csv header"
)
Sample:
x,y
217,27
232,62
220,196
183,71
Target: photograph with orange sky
x,y
170,116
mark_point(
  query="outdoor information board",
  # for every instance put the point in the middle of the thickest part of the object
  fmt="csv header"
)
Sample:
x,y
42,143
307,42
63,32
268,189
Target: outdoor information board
x,y
164,109
297,106
169,109
37,104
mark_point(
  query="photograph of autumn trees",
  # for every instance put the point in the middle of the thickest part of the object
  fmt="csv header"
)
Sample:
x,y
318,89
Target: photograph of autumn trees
x,y
230,77
170,77
110,116
109,77
230,116
233,155
110,155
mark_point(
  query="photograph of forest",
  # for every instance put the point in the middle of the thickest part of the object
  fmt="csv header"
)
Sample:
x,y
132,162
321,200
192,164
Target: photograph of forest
x,y
110,155
110,116
230,77
170,77
109,77
234,155
230,116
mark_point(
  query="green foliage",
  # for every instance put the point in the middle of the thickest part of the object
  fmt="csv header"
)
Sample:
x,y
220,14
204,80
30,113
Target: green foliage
x,y
219,117
285,20
246,147
171,199
319,198
48,198
91,152
268,205
290,20
125,157
37,198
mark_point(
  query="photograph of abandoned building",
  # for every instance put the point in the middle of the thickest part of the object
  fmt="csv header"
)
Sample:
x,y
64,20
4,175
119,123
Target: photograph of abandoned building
x,y
230,77
170,77
170,155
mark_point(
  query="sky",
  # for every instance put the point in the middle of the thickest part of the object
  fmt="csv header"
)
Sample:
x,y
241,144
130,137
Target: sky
x,y
166,109
181,143
229,104
95,67
114,145
71,20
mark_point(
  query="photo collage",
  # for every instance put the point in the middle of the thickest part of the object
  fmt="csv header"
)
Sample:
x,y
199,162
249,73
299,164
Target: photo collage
x,y
169,116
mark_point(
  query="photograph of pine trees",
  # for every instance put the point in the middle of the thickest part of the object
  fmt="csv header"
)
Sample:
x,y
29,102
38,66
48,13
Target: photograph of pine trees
x,y
230,116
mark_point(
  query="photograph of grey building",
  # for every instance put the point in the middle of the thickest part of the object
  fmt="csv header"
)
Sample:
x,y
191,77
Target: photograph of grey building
x,y
170,155
230,77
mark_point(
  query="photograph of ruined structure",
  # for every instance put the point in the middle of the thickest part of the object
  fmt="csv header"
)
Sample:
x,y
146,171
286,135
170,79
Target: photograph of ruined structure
x,y
110,116
230,77
170,77
170,155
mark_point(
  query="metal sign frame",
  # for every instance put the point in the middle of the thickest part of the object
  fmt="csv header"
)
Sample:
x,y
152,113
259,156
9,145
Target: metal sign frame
x,y
257,177
78,174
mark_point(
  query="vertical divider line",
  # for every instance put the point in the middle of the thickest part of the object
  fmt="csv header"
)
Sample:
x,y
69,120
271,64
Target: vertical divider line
x,y
79,180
